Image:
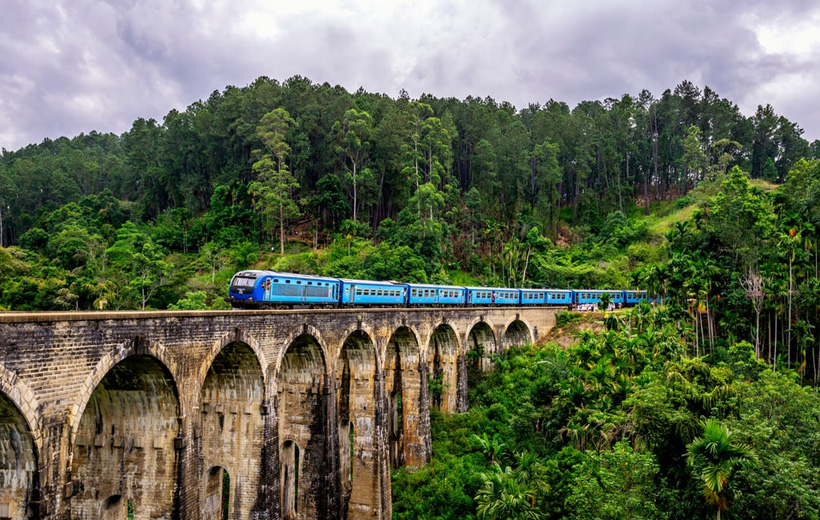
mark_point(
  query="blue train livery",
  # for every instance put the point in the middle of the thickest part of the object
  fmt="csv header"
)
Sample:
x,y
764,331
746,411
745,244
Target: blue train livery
x,y
261,288
493,296
428,294
267,289
365,292
594,296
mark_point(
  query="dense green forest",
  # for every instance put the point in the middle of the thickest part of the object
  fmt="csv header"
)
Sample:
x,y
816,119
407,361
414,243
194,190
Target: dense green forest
x,y
681,195
625,424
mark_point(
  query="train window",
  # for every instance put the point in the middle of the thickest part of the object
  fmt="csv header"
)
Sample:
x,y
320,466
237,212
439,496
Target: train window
x,y
310,283
299,282
359,292
287,281
276,280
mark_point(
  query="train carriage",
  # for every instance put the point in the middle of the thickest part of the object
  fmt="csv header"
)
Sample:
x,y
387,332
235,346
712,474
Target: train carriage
x,y
493,296
366,292
430,294
634,297
593,296
533,296
267,288
559,297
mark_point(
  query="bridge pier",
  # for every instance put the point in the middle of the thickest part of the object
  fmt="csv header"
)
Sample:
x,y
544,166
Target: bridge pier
x,y
265,414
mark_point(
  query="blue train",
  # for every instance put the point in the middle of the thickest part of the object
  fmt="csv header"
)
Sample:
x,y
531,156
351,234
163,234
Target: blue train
x,y
271,289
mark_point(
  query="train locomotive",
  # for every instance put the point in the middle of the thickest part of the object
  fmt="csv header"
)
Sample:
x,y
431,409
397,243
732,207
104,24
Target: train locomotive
x,y
261,289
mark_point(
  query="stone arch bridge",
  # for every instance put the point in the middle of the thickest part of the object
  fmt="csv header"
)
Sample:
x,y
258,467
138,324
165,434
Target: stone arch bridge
x,y
211,415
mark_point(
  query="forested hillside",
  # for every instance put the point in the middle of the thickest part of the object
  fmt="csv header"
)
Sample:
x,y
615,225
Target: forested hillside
x,y
680,194
625,424
482,163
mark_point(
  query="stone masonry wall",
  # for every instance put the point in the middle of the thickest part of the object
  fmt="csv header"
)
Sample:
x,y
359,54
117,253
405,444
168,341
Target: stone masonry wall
x,y
101,409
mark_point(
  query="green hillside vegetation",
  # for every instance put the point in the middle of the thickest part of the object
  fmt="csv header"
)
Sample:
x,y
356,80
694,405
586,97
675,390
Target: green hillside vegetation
x,y
681,195
625,424
705,406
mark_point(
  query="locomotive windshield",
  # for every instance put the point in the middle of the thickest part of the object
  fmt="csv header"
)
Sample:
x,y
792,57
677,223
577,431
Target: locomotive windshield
x,y
241,281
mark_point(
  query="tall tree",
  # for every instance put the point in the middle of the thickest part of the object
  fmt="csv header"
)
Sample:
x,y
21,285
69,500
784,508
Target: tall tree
x,y
353,134
275,186
714,456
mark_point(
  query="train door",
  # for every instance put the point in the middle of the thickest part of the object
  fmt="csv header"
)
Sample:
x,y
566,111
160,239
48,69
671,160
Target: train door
x,y
267,285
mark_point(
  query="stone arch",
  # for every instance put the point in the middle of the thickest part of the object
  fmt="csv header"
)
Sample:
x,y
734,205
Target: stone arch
x,y
302,413
373,337
126,440
407,400
23,398
305,331
216,501
357,394
232,426
517,333
443,368
237,335
115,508
19,476
480,337
131,347
290,477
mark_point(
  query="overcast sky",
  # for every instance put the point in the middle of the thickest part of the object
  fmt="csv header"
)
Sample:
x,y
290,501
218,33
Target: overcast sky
x,y
71,66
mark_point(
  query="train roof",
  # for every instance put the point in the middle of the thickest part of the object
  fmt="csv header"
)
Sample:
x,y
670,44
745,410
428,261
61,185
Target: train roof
x,y
370,282
267,272
435,286
492,288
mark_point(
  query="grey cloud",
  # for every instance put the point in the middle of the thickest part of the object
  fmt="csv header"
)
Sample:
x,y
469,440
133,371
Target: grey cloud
x,y
72,67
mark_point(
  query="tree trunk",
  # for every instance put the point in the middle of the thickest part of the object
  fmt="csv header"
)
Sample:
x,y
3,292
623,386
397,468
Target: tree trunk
x,y
789,342
281,230
355,193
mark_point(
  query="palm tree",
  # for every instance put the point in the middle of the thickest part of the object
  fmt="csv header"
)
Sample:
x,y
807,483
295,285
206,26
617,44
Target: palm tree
x,y
492,448
511,493
714,456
